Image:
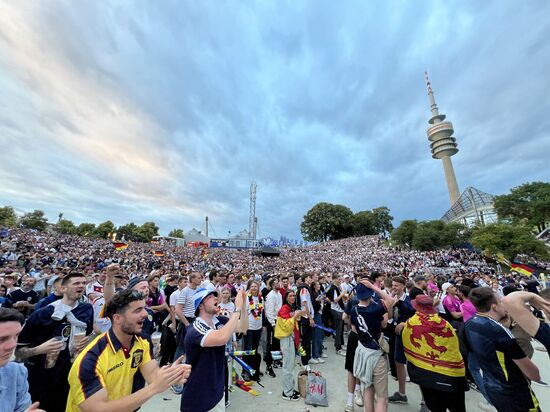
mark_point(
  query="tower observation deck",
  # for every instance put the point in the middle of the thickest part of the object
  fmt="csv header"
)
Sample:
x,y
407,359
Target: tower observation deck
x,y
442,143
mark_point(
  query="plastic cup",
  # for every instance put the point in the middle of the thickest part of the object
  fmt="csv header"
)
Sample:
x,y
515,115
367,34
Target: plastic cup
x,y
51,358
155,338
78,337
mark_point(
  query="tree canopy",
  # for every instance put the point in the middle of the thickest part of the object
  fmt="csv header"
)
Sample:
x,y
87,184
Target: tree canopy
x,y
326,221
85,229
8,217
103,230
527,204
430,235
65,226
35,220
176,233
510,240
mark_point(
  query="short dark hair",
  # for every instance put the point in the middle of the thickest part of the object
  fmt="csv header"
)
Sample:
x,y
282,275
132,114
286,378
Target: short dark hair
x,y
305,276
121,301
70,276
465,290
399,279
483,298
11,315
375,275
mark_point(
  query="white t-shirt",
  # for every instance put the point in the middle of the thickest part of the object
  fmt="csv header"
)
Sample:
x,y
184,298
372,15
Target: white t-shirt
x,y
226,309
254,323
174,297
102,323
94,287
305,298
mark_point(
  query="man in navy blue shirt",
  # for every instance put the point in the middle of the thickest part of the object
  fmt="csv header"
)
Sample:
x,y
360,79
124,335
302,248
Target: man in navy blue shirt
x,y
506,369
370,364
51,330
52,297
205,349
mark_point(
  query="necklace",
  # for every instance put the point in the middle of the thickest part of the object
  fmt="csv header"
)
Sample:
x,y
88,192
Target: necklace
x,y
255,308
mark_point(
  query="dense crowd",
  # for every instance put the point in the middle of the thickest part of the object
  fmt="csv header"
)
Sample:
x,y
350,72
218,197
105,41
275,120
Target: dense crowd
x,y
95,328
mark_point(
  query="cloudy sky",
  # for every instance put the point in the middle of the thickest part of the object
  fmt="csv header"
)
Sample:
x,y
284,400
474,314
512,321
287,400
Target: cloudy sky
x,y
167,110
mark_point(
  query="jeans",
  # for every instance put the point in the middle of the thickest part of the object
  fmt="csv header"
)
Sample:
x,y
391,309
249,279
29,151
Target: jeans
x,y
339,325
252,339
318,335
289,354
475,370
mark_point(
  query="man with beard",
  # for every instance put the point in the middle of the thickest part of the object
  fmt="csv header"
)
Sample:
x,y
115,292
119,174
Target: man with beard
x,y
102,375
55,332
205,348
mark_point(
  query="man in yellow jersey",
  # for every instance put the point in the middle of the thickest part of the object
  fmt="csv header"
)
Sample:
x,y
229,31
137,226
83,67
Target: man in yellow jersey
x,y
102,376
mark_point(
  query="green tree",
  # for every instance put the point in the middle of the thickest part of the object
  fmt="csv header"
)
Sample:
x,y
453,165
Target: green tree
x,y
128,231
8,217
103,230
326,221
85,229
527,204
145,232
176,233
404,233
510,240
455,234
35,220
66,227
428,235
363,223
382,220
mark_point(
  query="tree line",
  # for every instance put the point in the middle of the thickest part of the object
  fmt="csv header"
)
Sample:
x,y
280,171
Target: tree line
x,y
326,221
37,220
522,213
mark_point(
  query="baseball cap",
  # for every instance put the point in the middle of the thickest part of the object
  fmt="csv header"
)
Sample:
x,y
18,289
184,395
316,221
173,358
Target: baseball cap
x,y
445,286
200,295
363,292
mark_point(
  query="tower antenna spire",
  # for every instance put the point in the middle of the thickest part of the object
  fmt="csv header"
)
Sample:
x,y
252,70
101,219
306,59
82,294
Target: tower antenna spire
x,y
433,105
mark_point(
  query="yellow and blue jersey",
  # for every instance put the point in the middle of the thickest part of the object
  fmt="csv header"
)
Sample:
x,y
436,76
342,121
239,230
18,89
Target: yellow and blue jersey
x,y
105,363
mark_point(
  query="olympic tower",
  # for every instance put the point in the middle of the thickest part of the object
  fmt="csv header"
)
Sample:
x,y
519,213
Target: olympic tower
x,y
442,143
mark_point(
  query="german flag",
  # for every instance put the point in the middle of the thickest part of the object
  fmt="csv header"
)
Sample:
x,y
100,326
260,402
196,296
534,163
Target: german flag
x,y
120,246
522,269
158,253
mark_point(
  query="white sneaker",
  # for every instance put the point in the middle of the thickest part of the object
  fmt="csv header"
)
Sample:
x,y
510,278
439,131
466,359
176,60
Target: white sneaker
x,y
324,355
320,360
307,368
358,398
314,361
349,408
341,352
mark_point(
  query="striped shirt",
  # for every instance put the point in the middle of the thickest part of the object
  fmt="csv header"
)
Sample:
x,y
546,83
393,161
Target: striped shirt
x,y
185,299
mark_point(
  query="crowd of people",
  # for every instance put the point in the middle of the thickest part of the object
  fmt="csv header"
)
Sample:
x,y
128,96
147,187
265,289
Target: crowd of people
x,y
93,328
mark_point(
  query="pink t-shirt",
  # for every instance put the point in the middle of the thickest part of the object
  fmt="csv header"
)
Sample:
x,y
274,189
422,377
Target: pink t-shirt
x,y
451,303
468,310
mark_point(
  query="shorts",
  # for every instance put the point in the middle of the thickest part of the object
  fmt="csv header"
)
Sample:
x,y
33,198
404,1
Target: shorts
x,y
379,378
353,340
399,354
